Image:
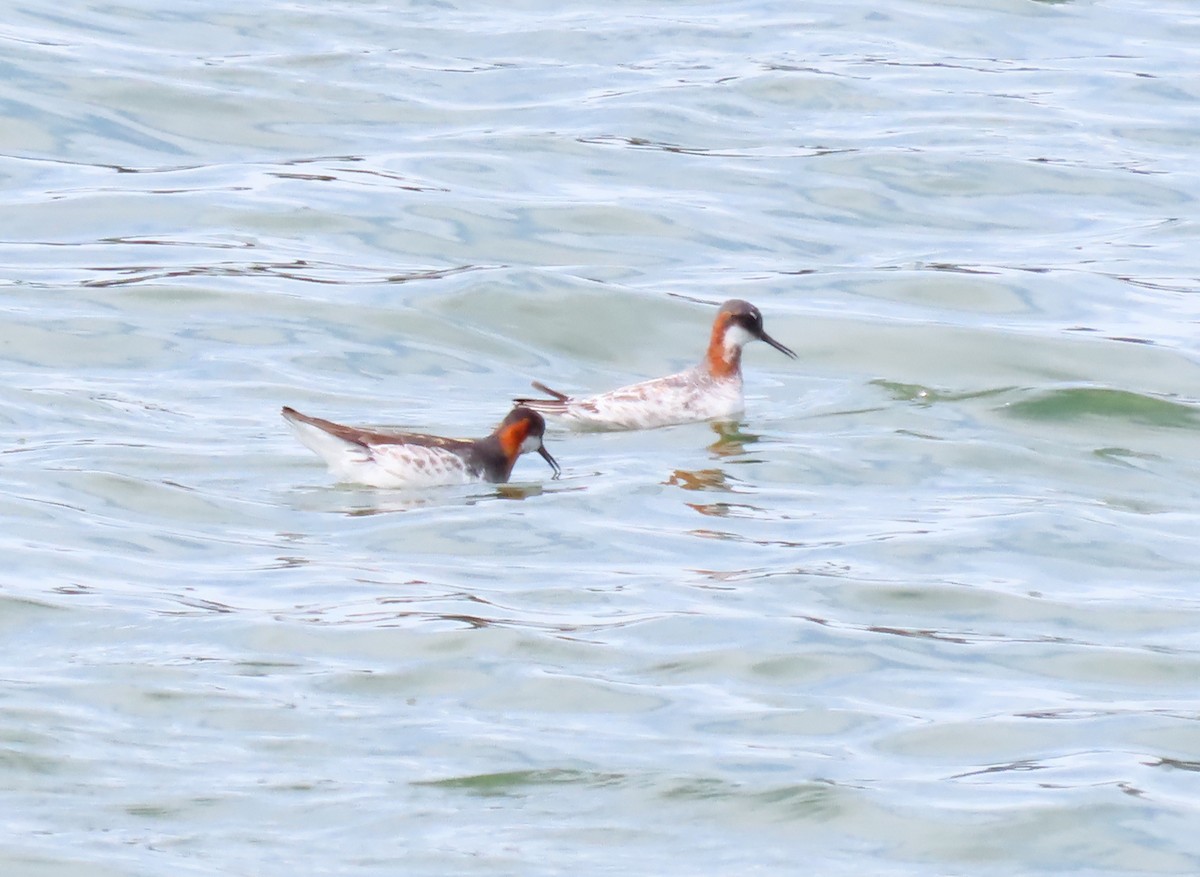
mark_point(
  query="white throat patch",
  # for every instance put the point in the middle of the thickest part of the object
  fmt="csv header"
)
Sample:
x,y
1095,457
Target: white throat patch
x,y
736,337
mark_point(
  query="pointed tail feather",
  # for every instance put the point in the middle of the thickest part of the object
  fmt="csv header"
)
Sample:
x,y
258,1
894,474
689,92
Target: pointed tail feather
x,y
558,403
542,388
322,438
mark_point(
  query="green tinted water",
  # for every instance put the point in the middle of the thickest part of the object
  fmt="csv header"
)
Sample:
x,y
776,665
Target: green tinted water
x,y
929,608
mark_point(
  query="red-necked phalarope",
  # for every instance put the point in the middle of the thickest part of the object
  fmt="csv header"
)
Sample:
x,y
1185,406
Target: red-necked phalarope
x,y
400,459
708,391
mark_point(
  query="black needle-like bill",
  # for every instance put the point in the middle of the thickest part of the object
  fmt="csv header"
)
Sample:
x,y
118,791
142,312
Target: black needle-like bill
x,y
553,463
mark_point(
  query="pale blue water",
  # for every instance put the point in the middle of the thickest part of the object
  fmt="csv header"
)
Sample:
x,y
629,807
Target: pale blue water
x,y
931,609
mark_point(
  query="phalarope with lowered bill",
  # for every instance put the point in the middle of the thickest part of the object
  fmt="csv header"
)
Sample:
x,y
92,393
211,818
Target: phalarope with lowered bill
x,y
402,459
710,390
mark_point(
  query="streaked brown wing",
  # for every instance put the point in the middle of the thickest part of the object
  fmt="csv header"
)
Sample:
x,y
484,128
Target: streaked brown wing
x,y
367,437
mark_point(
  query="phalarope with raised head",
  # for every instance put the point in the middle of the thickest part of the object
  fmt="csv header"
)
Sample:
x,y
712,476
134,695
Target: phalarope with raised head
x,y
402,459
710,390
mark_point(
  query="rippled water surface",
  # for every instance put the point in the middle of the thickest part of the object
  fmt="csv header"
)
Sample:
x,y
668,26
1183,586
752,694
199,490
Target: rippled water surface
x,y
930,608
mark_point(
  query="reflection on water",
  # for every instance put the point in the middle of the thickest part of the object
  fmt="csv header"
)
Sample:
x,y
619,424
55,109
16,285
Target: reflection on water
x,y
354,501
731,440
731,443
701,479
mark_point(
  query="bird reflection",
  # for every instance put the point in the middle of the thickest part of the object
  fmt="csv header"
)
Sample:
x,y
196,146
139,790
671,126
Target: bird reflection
x,y
731,441
712,510
700,479
704,479
517,491
356,502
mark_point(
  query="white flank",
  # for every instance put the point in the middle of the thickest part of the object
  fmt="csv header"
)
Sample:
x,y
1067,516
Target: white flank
x,y
386,465
686,397
414,466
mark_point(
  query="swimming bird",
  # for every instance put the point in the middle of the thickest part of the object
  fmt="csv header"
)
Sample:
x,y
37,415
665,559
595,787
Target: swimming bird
x,y
709,390
404,459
